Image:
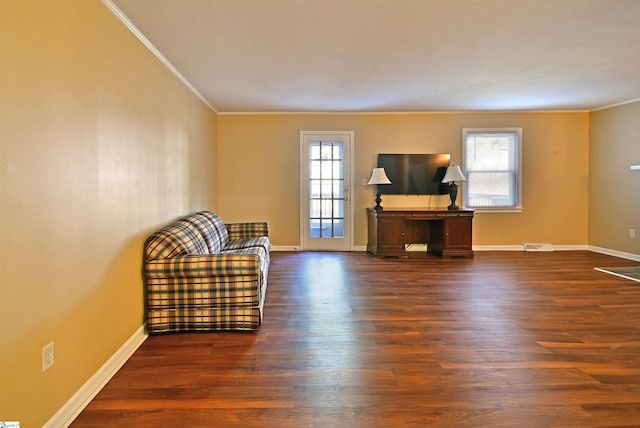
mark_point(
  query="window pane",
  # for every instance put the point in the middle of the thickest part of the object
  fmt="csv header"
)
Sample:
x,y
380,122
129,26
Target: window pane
x,y
491,163
490,189
492,152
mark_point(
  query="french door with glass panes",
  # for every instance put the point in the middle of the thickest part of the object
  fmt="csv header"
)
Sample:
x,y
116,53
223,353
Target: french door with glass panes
x,y
326,212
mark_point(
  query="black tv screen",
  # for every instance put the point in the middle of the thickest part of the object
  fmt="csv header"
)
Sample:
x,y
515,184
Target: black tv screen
x,y
414,174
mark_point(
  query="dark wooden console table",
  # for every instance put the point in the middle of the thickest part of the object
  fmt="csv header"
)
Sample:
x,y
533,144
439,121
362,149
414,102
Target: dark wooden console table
x,y
446,233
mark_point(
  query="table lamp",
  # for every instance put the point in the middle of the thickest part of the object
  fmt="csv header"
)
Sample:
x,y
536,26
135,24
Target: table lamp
x,y
378,177
452,175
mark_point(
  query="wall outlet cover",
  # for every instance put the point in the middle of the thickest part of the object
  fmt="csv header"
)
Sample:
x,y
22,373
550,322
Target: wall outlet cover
x,y
47,357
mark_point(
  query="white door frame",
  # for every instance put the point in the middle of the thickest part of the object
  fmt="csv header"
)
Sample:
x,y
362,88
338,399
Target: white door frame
x,y
304,204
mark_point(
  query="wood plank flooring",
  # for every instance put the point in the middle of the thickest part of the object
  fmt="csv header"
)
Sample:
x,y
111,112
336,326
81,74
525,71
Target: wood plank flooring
x,y
508,339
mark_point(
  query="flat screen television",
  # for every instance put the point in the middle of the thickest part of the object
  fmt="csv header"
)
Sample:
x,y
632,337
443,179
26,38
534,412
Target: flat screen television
x,y
414,174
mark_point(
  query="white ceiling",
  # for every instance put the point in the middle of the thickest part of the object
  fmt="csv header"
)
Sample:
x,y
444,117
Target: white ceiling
x,y
398,55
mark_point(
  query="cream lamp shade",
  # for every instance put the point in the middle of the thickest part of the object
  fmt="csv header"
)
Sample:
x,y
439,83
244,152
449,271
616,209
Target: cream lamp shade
x,y
454,173
379,177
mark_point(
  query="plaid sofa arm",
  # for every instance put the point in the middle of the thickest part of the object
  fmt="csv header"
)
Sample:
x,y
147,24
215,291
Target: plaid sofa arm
x,y
247,230
202,266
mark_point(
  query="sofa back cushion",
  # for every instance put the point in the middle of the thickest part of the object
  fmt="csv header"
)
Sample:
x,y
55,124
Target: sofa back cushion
x,y
180,238
212,229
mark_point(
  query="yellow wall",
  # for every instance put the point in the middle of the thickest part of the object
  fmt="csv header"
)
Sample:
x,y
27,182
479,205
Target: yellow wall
x,y
99,145
614,189
259,176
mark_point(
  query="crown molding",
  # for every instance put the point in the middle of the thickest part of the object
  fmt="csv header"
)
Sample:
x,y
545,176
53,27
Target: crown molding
x,y
400,112
617,104
136,32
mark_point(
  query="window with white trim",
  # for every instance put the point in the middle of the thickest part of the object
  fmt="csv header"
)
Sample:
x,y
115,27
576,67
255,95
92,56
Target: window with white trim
x,y
492,164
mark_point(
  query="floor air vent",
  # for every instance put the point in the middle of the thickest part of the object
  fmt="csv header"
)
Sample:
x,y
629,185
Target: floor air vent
x,y
538,247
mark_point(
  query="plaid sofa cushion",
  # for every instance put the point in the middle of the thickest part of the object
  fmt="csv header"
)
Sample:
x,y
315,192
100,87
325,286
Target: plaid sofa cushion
x,y
180,238
218,225
262,254
260,241
212,229
247,230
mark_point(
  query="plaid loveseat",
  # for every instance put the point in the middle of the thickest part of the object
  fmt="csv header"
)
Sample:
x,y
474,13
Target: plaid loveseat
x,y
203,274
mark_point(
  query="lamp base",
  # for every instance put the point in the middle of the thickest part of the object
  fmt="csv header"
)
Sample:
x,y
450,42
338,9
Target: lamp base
x,y
378,207
453,194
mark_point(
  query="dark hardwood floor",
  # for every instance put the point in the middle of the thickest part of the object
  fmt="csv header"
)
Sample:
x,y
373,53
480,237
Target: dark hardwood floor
x,y
508,339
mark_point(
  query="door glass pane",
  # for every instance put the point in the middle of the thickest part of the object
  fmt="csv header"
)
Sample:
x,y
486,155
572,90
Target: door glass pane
x,y
314,188
338,148
326,168
338,228
327,230
314,170
315,228
326,189
314,150
327,148
314,208
338,189
338,209
338,169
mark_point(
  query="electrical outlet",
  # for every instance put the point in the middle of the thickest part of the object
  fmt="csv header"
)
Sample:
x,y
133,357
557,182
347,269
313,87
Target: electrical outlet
x,y
47,357
632,233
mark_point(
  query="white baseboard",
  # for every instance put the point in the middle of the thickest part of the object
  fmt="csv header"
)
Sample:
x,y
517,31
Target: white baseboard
x,y
475,248
521,247
571,247
615,253
286,248
498,248
297,248
72,408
